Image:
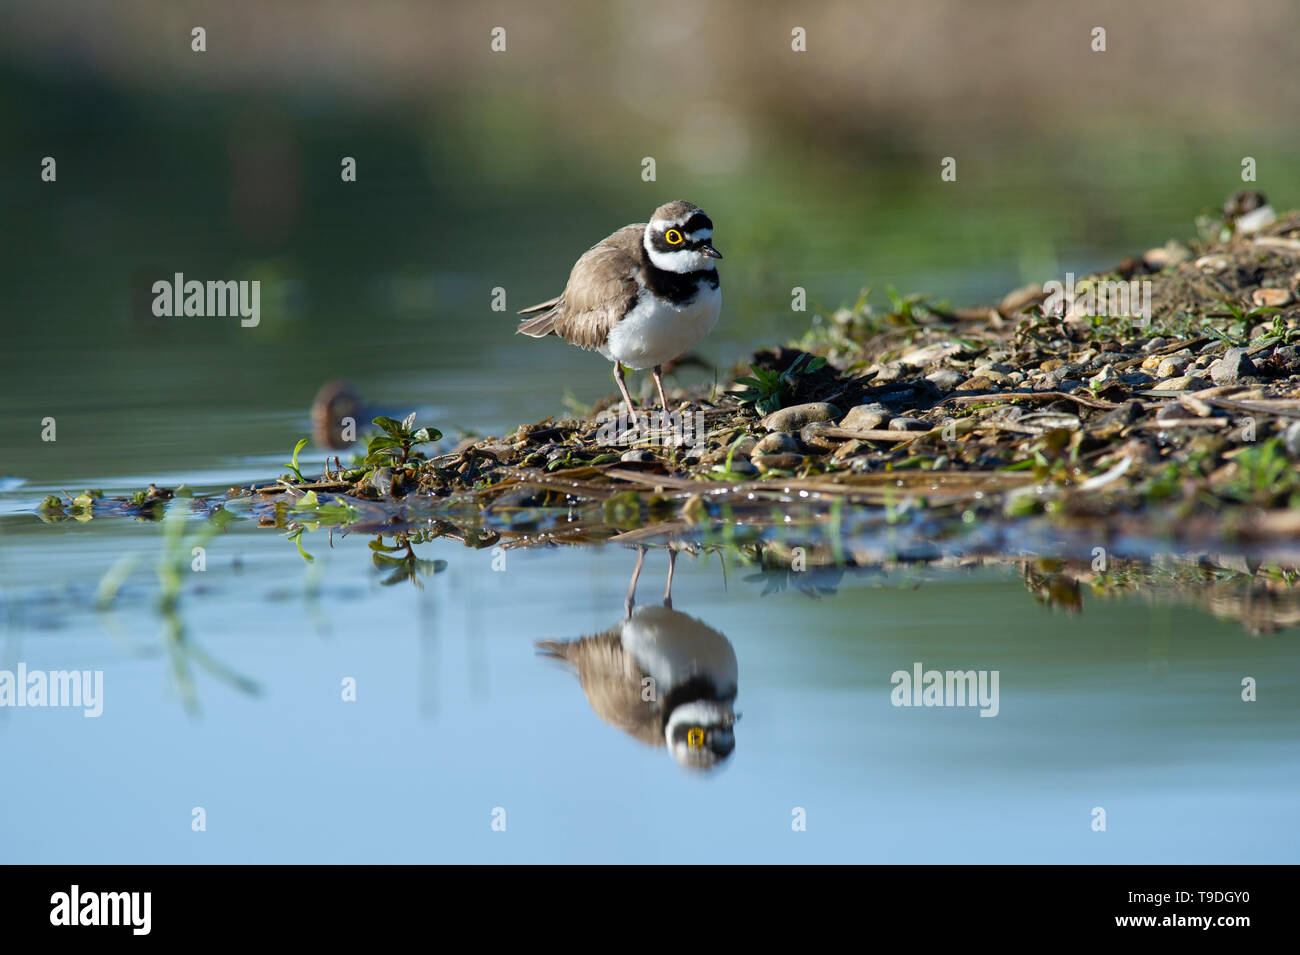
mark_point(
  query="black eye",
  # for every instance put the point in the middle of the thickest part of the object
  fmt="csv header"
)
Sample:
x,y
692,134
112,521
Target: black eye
x,y
673,237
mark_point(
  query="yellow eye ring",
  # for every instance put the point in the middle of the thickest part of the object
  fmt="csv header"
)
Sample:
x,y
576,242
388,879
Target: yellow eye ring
x,y
695,737
673,237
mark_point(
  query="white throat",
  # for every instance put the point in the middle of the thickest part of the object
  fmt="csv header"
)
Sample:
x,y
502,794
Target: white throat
x,y
680,261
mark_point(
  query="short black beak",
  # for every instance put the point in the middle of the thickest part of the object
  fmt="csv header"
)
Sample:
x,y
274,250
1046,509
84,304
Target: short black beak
x,y
710,251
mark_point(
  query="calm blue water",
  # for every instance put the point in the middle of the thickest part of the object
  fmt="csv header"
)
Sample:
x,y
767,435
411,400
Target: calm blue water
x,y
1131,707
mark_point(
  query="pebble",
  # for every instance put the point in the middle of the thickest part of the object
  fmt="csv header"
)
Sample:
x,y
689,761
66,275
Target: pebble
x,y
1173,253
638,455
778,442
920,357
1232,367
946,379
743,450
865,417
778,462
1186,383
812,435
905,423
978,383
1106,376
1171,366
1275,297
847,450
796,416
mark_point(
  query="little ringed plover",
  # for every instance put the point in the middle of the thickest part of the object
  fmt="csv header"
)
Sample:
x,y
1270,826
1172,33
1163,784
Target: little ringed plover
x,y
641,296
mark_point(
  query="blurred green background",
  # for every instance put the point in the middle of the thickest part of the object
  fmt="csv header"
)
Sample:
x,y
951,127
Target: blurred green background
x,y
479,169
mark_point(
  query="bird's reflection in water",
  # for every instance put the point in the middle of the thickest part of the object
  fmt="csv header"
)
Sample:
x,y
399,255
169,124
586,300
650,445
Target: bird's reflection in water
x,y
661,676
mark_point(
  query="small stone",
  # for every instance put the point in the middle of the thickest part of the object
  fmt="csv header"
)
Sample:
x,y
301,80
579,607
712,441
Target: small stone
x,y
1232,367
1118,419
1051,364
778,442
1185,383
978,383
1154,344
920,357
1171,366
743,450
796,416
814,436
1173,253
778,462
1151,361
1271,297
945,379
1213,263
846,450
1286,359
907,424
1105,377
638,456
865,417
888,372
742,466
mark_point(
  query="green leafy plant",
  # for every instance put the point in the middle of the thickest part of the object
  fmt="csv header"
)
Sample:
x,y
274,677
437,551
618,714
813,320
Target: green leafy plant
x,y
1264,473
768,390
397,440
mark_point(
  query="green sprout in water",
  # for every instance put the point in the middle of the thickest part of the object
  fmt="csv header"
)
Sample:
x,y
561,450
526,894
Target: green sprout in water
x,y
292,464
182,554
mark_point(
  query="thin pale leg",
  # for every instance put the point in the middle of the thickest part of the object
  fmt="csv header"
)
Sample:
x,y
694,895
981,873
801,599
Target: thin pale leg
x,y
636,575
659,383
668,590
622,386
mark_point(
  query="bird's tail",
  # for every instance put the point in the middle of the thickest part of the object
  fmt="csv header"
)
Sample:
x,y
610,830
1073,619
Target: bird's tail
x,y
556,649
542,324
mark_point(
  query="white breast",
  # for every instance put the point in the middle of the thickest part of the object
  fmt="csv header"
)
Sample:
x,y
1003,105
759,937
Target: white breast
x,y
672,647
655,331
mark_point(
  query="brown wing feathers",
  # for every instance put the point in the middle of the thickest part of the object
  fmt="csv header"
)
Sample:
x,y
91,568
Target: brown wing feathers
x,y
602,287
